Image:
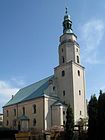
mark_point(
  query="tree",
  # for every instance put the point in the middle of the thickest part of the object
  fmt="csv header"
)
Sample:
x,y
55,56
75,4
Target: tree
x,y
101,116
100,93
92,122
69,127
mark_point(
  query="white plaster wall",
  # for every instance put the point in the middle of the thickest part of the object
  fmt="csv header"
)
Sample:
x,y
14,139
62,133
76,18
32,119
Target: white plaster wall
x,y
77,53
70,49
68,52
72,83
79,100
64,115
65,83
47,112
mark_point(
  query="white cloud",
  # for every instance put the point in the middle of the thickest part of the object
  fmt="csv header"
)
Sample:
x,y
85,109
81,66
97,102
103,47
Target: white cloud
x,y
92,34
91,58
3,84
17,81
6,92
6,89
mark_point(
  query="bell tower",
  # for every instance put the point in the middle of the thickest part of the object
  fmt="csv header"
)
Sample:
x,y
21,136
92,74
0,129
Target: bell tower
x,y
69,48
69,74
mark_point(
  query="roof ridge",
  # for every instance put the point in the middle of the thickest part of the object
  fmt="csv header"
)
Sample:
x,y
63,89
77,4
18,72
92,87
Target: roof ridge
x,y
37,82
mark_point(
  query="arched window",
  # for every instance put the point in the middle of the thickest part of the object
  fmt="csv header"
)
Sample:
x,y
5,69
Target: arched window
x,y
34,122
77,59
14,112
63,73
23,110
63,112
64,122
79,92
78,73
34,108
63,92
53,88
7,113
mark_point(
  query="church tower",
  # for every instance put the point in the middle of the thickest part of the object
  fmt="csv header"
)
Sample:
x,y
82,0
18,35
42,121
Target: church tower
x,y
69,74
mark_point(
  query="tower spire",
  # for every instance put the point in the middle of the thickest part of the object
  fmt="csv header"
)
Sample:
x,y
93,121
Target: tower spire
x,y
67,23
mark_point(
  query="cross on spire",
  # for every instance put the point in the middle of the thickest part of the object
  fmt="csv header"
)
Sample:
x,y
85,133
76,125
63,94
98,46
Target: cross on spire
x,y
66,10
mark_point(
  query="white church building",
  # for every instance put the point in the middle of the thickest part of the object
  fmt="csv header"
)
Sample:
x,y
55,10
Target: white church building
x,y
42,105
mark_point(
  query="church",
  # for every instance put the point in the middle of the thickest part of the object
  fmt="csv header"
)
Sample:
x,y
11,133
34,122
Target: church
x,y
42,105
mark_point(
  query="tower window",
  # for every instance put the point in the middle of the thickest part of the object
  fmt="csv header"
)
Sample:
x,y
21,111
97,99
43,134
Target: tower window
x,y
77,59
23,110
62,49
34,109
80,112
63,73
34,122
53,88
63,92
63,112
78,73
79,92
64,123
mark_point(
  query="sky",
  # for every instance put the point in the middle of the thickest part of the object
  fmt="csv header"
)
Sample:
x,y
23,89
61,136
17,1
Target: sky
x,y
29,40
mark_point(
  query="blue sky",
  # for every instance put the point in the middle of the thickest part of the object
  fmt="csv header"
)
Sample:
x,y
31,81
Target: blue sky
x,y
29,39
